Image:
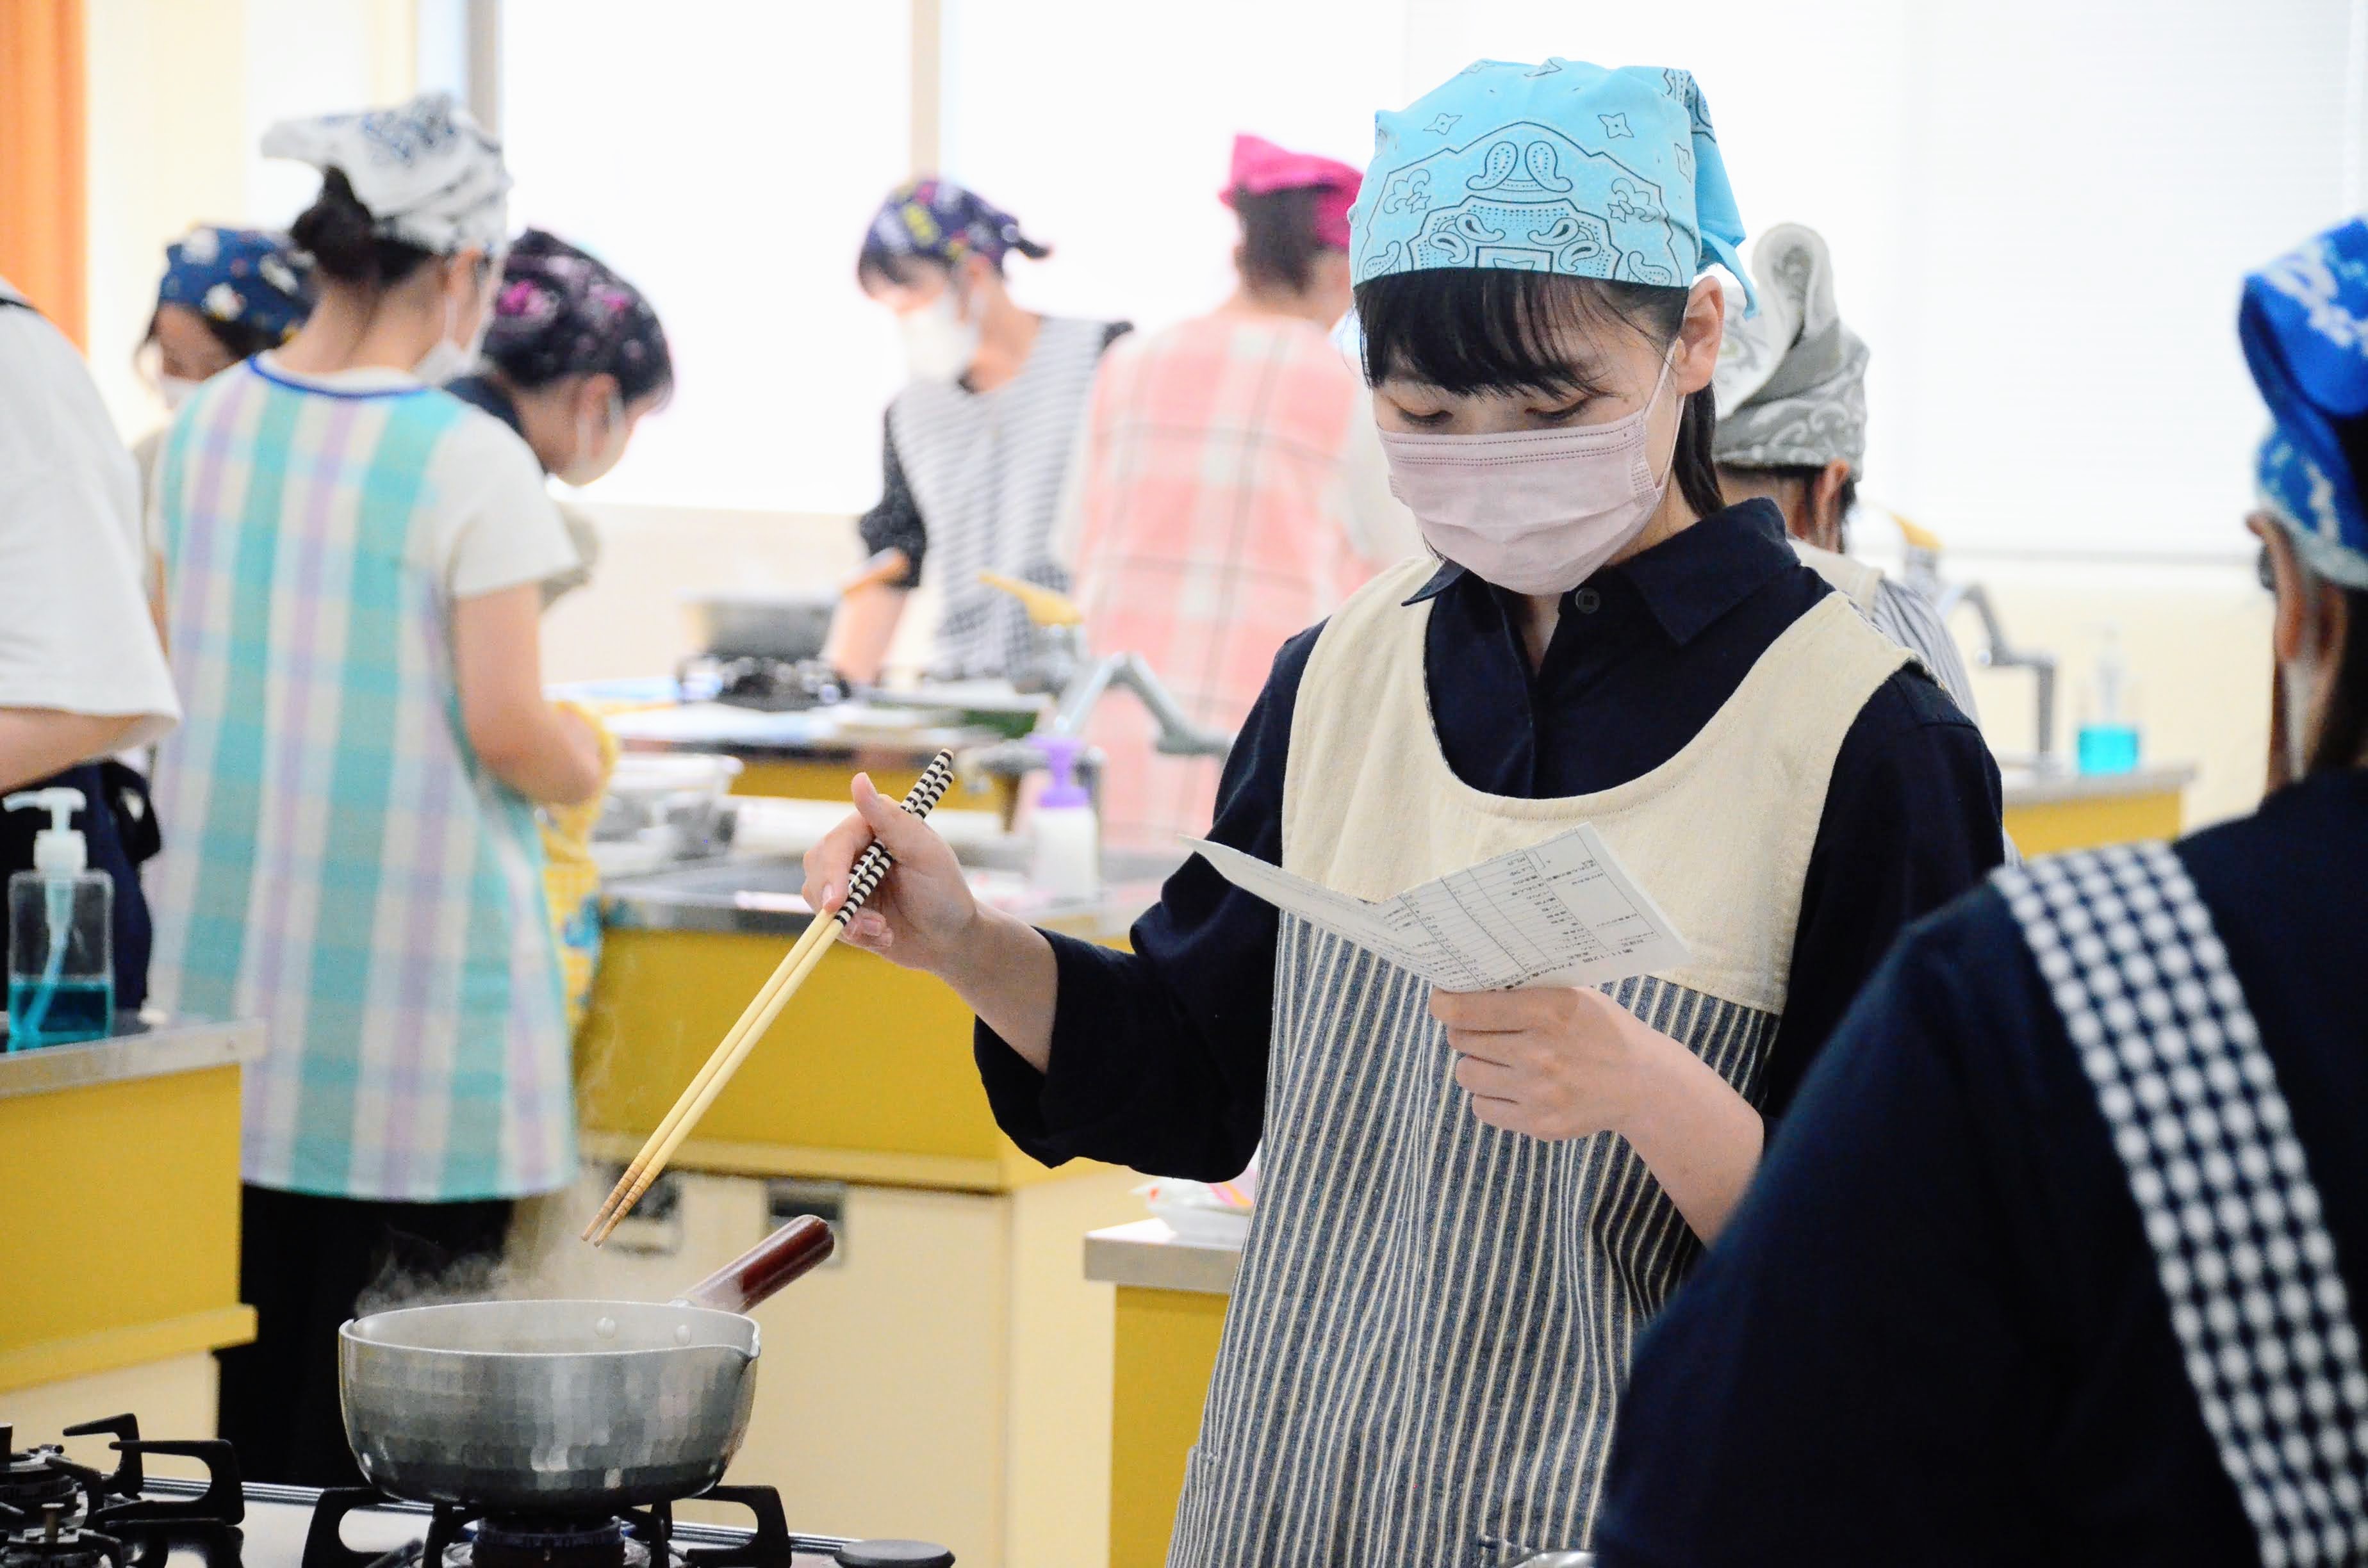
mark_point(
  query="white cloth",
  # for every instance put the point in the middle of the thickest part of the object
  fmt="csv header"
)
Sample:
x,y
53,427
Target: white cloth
x,y
75,633
426,169
1791,383
495,525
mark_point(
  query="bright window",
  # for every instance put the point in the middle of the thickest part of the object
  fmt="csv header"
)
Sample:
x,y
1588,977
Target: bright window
x,y
725,157
2039,209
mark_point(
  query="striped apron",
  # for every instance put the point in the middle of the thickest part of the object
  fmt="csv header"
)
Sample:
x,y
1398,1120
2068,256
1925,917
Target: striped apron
x,y
1433,1319
986,471
2205,1137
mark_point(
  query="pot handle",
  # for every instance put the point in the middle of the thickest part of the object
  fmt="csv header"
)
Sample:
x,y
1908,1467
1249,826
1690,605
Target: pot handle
x,y
748,1280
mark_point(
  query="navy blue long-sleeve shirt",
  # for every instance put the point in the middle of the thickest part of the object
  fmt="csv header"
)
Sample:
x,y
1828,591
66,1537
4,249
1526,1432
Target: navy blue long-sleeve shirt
x,y
1159,1055
1933,1336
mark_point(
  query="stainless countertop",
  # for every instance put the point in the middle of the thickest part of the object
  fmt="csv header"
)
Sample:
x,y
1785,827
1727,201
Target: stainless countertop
x,y
2022,786
759,895
1151,1256
135,1050
812,734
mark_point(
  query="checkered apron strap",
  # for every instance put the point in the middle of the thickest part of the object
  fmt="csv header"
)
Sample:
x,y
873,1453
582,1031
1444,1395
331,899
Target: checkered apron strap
x,y
2161,1026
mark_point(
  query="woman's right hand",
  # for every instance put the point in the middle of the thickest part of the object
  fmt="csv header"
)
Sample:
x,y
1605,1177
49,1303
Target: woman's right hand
x,y
922,914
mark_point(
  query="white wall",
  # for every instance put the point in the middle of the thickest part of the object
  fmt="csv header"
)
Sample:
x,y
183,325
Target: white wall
x,y
2039,210
181,93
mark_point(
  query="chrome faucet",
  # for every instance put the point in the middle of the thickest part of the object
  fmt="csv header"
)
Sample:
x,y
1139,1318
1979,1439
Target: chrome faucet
x,y
1923,574
1178,735
1060,664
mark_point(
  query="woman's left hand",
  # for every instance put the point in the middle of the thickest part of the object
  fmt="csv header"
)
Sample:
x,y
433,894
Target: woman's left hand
x,y
1554,1064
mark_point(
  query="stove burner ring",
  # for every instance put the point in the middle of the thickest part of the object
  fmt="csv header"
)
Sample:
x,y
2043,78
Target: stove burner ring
x,y
547,1541
31,1478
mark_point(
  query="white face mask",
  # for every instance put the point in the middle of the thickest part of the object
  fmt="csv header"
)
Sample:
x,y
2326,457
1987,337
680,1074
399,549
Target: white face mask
x,y
446,360
1534,511
938,343
176,390
596,454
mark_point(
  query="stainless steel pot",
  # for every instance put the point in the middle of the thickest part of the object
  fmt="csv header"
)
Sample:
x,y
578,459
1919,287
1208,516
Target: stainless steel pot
x,y
755,623
558,1406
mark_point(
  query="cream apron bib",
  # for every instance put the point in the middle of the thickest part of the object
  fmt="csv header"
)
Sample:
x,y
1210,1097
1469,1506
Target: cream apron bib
x,y
1433,1318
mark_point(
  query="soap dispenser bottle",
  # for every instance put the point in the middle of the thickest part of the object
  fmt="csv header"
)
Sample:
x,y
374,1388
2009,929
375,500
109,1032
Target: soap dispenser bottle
x,y
1067,861
2108,739
60,932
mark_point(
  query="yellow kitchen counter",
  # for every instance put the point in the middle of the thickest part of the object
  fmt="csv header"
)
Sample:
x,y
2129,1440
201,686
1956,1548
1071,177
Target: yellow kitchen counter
x,y
2047,814
1170,1312
952,1337
119,1252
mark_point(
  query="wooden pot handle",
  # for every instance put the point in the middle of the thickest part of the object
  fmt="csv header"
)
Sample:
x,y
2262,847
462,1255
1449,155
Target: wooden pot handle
x,y
750,1279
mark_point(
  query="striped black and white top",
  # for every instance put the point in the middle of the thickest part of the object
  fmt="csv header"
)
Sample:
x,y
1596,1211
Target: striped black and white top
x,y
972,484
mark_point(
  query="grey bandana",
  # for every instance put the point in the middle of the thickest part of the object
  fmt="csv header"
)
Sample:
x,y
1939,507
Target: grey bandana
x,y
1792,380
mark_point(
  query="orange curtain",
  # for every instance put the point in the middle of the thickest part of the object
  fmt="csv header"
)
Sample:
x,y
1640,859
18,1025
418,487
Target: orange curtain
x,y
43,235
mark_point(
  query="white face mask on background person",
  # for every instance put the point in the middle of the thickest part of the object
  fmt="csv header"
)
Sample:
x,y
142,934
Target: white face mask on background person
x,y
446,360
1534,511
597,452
938,343
176,390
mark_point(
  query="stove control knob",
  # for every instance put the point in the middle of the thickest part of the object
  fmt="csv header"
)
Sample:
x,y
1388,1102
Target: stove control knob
x,y
893,1554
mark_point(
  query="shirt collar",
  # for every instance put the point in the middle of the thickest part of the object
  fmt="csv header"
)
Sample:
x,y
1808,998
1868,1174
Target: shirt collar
x,y
1687,581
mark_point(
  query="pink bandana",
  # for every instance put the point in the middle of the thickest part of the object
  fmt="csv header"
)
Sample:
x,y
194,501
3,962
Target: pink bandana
x,y
1261,166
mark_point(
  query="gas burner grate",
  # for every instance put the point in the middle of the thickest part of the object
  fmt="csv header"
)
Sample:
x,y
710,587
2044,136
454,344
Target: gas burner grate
x,y
465,1537
57,1513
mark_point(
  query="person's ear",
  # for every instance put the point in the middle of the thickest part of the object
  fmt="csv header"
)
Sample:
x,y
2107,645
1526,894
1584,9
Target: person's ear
x,y
1698,337
594,395
979,279
2292,630
1825,518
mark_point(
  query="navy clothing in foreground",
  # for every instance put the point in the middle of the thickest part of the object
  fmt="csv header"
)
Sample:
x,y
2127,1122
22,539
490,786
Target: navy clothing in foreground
x,y
1159,1055
1934,1334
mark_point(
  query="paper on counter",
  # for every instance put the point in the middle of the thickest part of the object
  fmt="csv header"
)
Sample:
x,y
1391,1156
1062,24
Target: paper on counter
x,y
1562,913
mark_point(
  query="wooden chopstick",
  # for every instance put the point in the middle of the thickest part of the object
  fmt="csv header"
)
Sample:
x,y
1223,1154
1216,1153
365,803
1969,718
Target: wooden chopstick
x,y
767,1006
812,935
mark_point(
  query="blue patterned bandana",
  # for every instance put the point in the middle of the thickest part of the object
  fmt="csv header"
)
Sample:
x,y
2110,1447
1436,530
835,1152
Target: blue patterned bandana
x,y
1558,167
239,275
2303,324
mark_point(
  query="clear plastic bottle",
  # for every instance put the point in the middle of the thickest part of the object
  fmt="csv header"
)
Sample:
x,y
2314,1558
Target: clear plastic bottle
x,y
60,932
1068,862
2108,738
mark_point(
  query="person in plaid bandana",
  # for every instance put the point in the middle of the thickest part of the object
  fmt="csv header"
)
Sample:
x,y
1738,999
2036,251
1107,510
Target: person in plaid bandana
x,y
2060,1256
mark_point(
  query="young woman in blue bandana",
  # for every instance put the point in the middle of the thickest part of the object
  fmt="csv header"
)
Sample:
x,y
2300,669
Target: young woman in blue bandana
x,y
1470,1204
2062,1253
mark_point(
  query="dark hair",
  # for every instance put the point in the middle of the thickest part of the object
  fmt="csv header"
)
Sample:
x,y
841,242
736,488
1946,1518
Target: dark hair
x,y
1279,245
881,263
240,339
341,238
1492,329
1806,476
562,312
2343,741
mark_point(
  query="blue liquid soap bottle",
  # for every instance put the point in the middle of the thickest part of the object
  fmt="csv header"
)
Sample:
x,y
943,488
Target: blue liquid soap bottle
x,y
2108,741
60,932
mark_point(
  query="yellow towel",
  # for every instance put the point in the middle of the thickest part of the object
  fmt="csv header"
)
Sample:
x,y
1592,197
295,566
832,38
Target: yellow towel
x,y
570,881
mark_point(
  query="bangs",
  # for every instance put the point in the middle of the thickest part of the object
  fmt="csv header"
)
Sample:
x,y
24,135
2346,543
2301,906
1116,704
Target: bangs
x,y
1467,330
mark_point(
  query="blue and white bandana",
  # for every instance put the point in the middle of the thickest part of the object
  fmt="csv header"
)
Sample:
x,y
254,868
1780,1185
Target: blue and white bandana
x,y
2303,322
1561,166
244,275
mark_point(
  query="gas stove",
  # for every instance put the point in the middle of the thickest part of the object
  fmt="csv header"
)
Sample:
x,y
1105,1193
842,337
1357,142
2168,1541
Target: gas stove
x,y
767,684
57,1513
